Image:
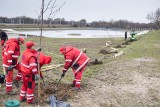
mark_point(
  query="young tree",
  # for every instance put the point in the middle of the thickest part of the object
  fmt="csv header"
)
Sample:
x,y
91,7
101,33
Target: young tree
x,y
49,8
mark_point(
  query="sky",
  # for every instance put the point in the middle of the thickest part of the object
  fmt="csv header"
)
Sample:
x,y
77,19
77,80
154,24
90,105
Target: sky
x,y
91,10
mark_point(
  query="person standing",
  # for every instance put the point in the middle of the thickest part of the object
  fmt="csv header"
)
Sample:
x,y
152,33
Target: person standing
x,y
75,59
125,35
42,61
4,37
29,68
11,52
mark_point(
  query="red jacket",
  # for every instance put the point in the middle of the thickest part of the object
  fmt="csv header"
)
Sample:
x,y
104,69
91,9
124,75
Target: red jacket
x,y
29,62
11,52
43,59
74,58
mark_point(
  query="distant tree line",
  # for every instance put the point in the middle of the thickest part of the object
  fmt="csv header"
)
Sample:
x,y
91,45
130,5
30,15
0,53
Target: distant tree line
x,y
120,24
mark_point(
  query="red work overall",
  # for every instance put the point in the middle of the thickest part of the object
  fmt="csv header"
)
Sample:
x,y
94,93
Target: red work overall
x,y
29,69
75,59
11,53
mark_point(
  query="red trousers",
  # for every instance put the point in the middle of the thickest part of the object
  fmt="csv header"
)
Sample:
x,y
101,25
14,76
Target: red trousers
x,y
28,86
19,74
9,77
78,76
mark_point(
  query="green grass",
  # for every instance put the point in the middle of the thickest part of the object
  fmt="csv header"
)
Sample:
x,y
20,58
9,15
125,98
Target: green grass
x,y
144,47
50,46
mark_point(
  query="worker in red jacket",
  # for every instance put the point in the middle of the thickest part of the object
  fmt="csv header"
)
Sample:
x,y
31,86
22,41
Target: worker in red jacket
x,y
4,37
29,70
75,59
43,60
11,53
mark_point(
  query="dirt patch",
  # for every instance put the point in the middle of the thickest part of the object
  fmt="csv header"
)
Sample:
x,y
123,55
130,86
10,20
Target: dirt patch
x,y
123,83
157,45
95,62
150,60
64,92
107,51
119,46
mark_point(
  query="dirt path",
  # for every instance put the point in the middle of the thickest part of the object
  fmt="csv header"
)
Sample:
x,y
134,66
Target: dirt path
x,y
134,83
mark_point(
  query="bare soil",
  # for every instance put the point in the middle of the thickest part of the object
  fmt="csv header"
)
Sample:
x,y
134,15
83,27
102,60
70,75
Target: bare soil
x,y
118,85
121,84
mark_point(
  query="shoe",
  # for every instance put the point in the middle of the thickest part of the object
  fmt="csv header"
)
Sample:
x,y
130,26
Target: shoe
x,y
33,102
72,85
16,83
11,93
23,100
75,89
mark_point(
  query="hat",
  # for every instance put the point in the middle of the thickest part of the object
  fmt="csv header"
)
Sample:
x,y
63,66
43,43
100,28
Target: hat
x,y
21,40
62,49
30,44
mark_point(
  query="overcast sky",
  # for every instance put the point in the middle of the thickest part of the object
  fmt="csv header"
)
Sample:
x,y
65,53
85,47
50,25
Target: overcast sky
x,y
91,10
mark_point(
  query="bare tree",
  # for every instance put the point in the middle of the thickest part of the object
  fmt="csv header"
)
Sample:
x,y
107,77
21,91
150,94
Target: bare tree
x,y
154,17
49,8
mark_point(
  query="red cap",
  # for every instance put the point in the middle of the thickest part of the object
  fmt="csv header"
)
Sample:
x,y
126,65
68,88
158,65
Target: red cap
x,y
21,40
62,49
30,44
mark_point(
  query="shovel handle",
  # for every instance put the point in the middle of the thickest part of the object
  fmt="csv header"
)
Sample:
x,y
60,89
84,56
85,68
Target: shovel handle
x,y
58,82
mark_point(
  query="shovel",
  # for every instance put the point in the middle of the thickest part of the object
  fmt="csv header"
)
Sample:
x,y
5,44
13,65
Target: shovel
x,y
55,88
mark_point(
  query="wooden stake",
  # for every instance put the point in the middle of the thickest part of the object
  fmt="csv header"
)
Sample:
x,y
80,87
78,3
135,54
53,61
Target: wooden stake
x,y
4,71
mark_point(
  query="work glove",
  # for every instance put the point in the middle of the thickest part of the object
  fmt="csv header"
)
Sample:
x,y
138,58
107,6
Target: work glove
x,y
63,74
37,77
39,49
10,68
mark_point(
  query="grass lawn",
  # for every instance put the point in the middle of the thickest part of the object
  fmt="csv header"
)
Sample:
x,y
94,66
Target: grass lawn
x,y
130,80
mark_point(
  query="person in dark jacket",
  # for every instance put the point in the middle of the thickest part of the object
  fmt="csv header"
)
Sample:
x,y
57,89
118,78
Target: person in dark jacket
x,y
4,37
125,35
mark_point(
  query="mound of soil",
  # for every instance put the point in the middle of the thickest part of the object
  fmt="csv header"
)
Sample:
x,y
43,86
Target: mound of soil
x,y
63,92
105,51
95,62
120,46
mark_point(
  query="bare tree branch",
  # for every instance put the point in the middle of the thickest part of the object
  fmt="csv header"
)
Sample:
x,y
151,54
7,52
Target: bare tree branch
x,y
47,6
154,17
53,13
53,8
39,17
